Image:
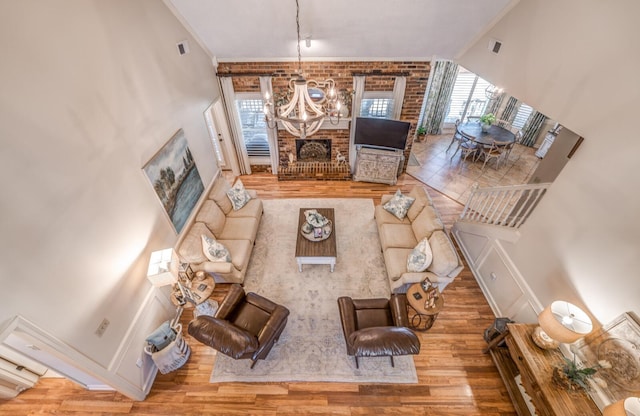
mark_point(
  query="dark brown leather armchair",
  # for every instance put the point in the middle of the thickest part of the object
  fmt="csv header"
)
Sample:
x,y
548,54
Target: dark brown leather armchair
x,y
377,327
245,326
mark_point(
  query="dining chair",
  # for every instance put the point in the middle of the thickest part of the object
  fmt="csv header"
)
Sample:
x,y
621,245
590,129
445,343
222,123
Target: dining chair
x,y
504,124
468,148
497,150
456,137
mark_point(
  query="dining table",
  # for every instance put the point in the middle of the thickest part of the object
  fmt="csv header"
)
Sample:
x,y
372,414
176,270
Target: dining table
x,y
473,131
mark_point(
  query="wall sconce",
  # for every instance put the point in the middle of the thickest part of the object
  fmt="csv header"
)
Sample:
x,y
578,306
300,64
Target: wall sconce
x,y
627,407
163,268
561,322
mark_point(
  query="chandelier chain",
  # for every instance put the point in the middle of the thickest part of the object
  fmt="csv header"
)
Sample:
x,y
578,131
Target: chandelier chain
x,y
298,31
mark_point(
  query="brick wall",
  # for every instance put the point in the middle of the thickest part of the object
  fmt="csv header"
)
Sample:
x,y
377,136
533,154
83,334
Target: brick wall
x,y
379,77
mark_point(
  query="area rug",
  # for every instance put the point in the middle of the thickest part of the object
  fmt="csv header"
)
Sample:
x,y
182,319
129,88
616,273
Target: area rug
x,y
312,346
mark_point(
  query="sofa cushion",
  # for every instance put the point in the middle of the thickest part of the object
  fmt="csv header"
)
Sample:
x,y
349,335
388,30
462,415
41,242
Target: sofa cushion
x,y
252,209
397,235
426,222
239,229
219,195
238,195
399,204
383,216
445,258
190,248
211,214
395,260
240,252
420,257
418,194
214,250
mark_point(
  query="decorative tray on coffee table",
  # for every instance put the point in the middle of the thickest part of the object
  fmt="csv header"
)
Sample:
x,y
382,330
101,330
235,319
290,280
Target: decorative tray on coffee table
x,y
310,233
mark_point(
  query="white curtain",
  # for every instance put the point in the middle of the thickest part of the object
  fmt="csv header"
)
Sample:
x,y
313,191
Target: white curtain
x,y
234,124
398,96
358,92
272,134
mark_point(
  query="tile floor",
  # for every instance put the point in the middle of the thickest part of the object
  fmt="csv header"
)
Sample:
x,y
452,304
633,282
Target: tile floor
x,y
454,177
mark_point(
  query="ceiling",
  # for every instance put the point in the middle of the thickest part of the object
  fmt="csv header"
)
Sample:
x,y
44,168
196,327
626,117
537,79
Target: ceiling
x,y
258,30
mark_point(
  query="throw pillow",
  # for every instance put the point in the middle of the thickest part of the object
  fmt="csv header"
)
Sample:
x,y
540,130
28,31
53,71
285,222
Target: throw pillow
x,y
215,251
420,257
238,195
399,204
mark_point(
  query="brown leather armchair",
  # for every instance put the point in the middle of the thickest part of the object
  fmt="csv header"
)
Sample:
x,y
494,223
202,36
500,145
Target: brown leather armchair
x,y
377,327
245,326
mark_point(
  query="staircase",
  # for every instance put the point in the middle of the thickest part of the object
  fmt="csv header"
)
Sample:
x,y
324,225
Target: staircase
x,y
506,206
488,223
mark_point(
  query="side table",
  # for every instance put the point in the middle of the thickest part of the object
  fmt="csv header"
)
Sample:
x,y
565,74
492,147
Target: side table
x,y
197,291
423,318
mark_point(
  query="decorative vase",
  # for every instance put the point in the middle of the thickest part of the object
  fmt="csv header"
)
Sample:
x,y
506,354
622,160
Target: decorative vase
x,y
485,127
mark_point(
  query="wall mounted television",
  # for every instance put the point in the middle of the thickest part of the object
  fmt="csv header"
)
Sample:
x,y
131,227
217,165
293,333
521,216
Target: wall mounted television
x,y
381,132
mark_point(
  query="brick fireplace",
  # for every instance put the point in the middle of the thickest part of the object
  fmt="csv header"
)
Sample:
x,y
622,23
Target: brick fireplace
x,y
379,76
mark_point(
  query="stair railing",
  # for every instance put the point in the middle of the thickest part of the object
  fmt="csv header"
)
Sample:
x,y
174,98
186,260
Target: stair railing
x,y
507,206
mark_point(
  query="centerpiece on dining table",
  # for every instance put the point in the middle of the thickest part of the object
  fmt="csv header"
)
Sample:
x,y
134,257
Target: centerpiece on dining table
x,y
317,227
487,120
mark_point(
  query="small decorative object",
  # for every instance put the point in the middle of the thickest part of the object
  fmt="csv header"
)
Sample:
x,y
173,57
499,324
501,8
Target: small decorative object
x,y
291,158
573,377
487,120
307,228
317,232
432,296
426,284
340,158
316,219
200,275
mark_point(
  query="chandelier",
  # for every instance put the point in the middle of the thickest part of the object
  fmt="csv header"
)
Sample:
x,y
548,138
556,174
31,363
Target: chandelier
x,y
492,92
308,103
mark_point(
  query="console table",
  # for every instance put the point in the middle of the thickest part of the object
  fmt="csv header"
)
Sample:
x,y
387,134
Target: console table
x,y
377,165
534,365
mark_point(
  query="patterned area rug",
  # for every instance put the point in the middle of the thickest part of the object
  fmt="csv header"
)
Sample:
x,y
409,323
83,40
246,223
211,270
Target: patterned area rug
x,y
312,347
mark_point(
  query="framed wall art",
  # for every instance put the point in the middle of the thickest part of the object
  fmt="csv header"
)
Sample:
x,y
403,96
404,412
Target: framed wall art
x,y
175,179
618,344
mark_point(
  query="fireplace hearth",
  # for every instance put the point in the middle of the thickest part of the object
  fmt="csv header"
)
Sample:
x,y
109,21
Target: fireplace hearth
x,y
313,150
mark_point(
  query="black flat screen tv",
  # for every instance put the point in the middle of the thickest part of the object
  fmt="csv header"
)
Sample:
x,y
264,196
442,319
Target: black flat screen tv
x,y
381,132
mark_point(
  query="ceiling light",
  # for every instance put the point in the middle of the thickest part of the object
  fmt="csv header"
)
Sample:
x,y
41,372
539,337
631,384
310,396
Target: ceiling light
x,y
307,103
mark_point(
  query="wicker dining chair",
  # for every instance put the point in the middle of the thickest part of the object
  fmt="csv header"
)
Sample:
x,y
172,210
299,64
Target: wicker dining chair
x,y
496,151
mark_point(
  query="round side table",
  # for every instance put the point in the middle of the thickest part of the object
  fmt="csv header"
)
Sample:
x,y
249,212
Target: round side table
x,y
423,318
197,291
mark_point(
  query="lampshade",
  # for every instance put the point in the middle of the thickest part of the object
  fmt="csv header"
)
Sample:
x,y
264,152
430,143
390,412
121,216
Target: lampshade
x,y
163,267
564,322
627,407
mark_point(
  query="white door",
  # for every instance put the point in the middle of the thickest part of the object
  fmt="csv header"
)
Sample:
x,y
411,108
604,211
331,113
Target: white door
x,y
216,139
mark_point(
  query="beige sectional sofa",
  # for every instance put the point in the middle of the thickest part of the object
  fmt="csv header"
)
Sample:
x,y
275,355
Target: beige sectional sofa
x,y
399,237
236,230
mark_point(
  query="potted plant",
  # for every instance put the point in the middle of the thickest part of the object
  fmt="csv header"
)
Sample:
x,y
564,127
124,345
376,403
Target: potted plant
x,y
573,377
421,132
487,120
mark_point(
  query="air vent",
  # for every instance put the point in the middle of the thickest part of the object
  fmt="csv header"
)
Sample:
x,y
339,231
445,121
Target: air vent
x,y
494,45
183,47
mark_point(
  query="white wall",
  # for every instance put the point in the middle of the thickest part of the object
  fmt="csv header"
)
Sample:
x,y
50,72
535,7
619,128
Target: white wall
x,y
575,61
90,90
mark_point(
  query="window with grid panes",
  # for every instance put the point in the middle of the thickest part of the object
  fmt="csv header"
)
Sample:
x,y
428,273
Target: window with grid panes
x,y
468,97
253,125
376,104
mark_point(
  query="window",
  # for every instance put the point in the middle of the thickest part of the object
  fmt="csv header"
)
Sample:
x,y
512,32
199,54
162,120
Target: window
x,y
523,114
468,97
377,104
253,124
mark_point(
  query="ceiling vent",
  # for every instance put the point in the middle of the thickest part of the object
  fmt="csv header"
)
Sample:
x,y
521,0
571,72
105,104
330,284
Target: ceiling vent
x,y
183,47
494,45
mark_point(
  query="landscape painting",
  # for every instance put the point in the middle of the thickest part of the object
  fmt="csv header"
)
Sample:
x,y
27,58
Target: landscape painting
x,y
175,179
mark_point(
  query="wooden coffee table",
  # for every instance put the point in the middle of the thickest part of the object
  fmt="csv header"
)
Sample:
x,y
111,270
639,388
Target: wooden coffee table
x,y
316,252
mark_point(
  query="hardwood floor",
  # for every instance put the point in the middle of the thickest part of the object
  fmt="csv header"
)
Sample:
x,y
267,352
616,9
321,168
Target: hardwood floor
x,y
454,376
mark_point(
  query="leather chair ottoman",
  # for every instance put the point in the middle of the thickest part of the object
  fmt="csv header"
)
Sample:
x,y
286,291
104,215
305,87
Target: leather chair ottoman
x,y
377,327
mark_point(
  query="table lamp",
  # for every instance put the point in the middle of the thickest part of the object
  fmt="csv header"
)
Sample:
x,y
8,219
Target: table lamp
x,y
627,407
163,268
561,322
